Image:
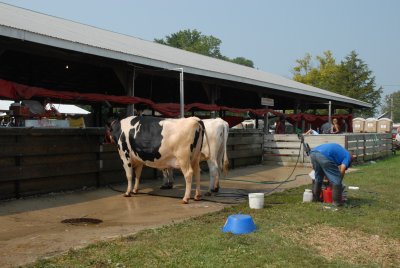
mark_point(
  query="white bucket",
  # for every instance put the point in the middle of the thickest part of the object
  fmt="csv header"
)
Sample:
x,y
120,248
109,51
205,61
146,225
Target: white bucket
x,y
307,196
256,200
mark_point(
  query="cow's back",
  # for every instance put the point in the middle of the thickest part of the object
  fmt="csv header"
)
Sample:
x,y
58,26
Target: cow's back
x,y
159,142
183,136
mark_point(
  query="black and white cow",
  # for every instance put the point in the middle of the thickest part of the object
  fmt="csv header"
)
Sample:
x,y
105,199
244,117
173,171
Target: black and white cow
x,y
213,151
159,143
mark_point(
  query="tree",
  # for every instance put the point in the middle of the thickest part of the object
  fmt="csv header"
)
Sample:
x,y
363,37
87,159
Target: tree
x,y
357,81
243,61
195,41
351,78
321,76
387,105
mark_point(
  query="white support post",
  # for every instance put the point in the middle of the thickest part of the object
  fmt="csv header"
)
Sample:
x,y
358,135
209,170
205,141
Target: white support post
x,y
330,112
182,94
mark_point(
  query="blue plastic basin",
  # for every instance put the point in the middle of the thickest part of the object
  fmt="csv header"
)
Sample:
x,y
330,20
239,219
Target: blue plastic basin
x,y
239,224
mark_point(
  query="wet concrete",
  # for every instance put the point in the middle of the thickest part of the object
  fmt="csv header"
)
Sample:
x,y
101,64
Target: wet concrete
x,y
31,228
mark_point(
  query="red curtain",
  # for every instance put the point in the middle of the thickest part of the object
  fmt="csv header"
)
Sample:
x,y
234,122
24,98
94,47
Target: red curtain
x,y
15,91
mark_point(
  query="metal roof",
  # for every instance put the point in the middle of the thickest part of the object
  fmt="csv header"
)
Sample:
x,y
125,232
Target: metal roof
x,y
36,27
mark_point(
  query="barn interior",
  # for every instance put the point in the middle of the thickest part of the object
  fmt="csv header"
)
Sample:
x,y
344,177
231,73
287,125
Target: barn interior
x,y
58,69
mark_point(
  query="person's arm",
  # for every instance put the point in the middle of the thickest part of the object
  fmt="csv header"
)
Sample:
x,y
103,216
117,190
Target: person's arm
x,y
342,169
335,129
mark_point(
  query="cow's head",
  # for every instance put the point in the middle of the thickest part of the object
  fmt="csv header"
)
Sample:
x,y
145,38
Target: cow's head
x,y
113,130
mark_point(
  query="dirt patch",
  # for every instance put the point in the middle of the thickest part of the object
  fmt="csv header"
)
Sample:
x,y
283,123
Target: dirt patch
x,y
353,246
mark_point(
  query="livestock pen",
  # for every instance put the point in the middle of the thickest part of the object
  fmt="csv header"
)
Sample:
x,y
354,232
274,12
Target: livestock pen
x,y
43,160
286,149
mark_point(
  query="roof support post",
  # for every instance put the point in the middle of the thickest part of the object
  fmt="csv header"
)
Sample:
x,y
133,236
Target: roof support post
x,y
330,112
266,120
296,111
130,109
181,93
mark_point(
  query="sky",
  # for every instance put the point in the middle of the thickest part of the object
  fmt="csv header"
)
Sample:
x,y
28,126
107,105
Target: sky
x,y
271,33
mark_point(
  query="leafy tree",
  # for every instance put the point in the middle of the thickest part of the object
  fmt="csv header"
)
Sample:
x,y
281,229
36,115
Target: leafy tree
x,y
387,105
321,76
351,78
195,41
243,61
357,81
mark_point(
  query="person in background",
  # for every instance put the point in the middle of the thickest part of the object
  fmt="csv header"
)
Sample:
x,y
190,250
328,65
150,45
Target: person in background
x,y
335,126
343,126
397,138
311,132
330,160
280,125
139,109
326,128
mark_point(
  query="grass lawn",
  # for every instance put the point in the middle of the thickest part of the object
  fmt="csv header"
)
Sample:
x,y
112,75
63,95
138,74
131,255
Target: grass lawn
x,y
364,233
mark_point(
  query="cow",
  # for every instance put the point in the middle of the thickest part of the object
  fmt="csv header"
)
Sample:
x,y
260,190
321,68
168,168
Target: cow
x,y
159,143
214,148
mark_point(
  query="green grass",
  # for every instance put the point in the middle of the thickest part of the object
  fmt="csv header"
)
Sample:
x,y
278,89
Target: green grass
x,y
287,234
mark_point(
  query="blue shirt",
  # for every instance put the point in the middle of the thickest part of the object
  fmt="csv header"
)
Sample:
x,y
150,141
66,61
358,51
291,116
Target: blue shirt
x,y
335,153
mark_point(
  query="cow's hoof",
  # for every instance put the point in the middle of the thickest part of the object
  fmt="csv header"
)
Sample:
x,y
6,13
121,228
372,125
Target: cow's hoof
x,y
135,192
208,194
197,198
127,195
166,186
185,202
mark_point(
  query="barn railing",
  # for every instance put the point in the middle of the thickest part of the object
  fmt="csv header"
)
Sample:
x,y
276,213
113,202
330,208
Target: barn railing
x,y
245,147
286,149
42,160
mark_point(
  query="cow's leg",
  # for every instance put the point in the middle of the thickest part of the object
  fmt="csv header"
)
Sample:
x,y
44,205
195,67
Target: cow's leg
x,y
138,172
214,177
128,172
168,178
187,172
196,172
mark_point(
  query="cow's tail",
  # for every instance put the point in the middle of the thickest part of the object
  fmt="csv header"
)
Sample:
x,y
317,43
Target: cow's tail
x,y
206,157
225,158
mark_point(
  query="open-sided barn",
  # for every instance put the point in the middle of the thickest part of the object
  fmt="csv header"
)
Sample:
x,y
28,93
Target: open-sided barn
x,y
45,57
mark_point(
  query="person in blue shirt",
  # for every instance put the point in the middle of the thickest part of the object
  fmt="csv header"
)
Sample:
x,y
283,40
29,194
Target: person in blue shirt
x,y
330,160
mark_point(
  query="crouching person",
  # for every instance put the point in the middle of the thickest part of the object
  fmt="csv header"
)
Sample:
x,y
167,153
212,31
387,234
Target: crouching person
x,y
330,160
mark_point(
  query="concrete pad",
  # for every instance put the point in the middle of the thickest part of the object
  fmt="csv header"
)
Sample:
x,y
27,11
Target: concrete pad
x,y
31,228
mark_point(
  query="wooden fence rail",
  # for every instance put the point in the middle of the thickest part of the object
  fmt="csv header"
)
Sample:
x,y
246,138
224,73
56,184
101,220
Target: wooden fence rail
x,y
42,160
286,149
